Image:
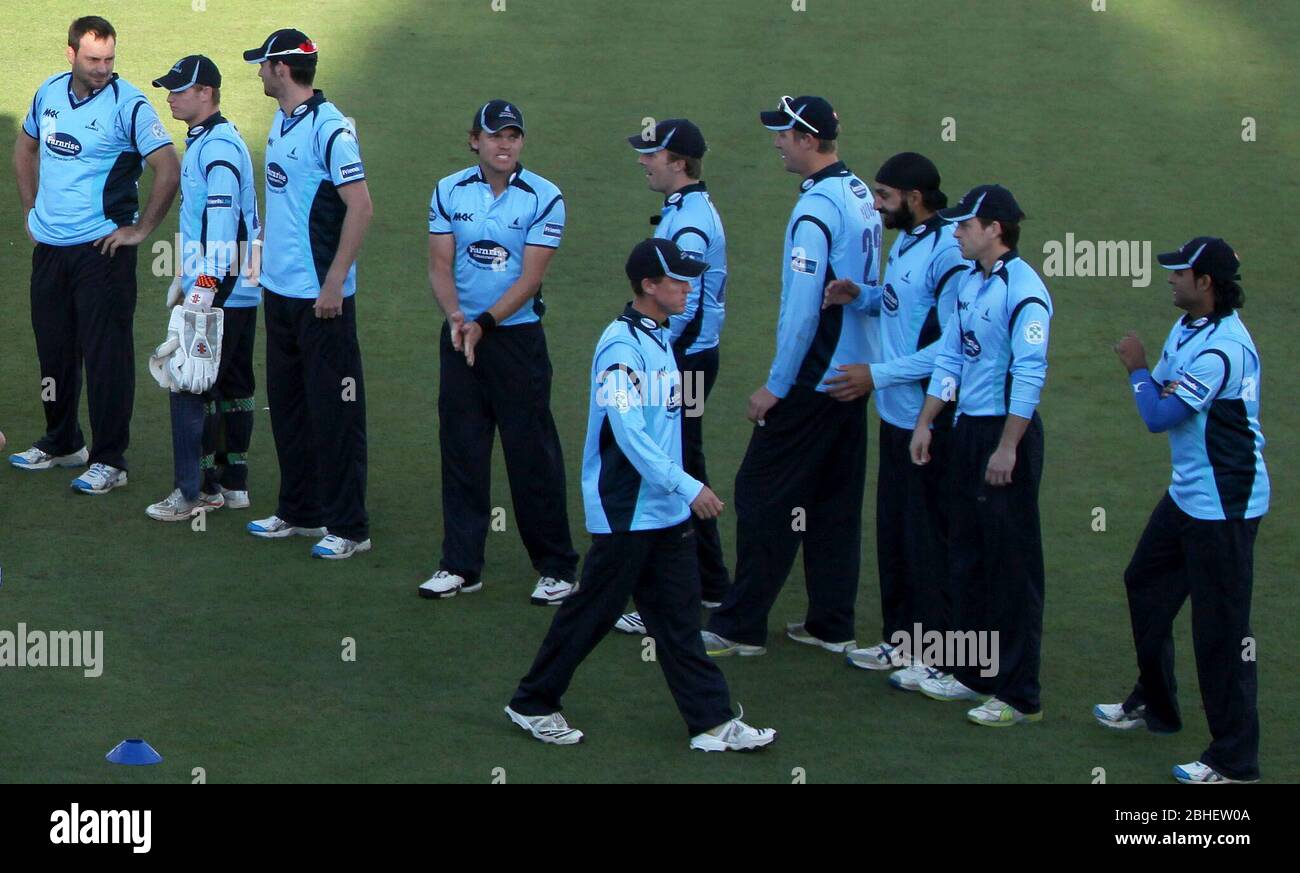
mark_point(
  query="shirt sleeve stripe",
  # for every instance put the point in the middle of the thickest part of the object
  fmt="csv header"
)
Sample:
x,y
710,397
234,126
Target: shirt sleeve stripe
x,y
546,211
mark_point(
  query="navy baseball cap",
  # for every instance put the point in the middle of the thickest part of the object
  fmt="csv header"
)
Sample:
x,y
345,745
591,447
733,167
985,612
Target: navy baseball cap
x,y
497,115
655,257
807,114
189,71
289,45
985,201
1205,254
679,135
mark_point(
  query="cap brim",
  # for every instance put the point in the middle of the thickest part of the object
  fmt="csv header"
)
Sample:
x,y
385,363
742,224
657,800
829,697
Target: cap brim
x,y
645,148
256,55
518,127
173,81
955,214
1173,261
776,120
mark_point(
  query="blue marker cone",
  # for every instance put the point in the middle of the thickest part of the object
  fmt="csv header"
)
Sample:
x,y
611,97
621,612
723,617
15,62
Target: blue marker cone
x,y
134,752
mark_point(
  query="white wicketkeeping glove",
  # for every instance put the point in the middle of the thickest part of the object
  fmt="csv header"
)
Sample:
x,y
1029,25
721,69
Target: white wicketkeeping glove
x,y
160,360
196,361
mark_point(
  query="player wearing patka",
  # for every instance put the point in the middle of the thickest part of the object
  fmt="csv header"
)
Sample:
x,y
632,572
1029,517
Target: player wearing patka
x,y
86,138
1199,543
638,503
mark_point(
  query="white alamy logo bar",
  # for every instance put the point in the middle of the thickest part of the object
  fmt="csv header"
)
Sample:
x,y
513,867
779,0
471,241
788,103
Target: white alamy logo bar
x,y
76,826
947,649
1105,259
58,648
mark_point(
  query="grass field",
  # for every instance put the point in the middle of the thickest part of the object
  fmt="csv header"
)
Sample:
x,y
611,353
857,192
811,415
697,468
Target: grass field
x,y
224,651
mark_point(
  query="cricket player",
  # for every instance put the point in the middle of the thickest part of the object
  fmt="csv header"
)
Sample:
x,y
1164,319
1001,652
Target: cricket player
x,y
1204,393
993,357
317,211
639,501
919,295
493,229
803,475
671,155
78,159
218,220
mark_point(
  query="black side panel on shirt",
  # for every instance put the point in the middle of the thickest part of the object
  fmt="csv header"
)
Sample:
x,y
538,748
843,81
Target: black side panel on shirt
x,y
325,227
121,199
818,358
620,483
1230,446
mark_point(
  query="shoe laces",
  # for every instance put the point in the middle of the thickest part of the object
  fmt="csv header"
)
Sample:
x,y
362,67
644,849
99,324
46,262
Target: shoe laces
x,y
101,471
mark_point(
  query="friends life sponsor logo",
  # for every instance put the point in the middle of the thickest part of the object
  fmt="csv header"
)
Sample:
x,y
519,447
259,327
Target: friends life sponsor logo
x,y
1103,259
488,254
621,388
77,826
947,649
352,172
58,648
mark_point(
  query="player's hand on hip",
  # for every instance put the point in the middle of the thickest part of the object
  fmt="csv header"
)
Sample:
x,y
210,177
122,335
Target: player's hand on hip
x,y
1131,352
760,404
920,445
706,504
470,334
129,235
852,381
1001,463
840,292
329,303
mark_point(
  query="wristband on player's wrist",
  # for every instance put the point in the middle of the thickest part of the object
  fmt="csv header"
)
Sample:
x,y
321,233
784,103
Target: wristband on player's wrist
x,y
486,321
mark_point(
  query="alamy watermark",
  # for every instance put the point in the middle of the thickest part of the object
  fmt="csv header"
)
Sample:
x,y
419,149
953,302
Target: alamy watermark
x,y
947,649
1105,258
58,648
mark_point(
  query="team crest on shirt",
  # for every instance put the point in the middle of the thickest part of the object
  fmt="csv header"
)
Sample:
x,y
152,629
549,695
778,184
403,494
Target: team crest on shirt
x,y
158,130
621,401
1034,333
970,344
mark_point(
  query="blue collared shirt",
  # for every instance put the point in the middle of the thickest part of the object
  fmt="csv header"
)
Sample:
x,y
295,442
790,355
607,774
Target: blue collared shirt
x,y
690,219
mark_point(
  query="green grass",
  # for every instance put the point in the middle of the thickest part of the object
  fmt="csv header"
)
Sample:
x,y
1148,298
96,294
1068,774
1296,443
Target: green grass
x,y
224,652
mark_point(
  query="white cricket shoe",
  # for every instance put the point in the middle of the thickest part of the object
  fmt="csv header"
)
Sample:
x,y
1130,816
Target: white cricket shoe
x,y
998,713
99,479
35,459
733,736
235,499
174,507
946,687
550,591
274,527
547,728
630,623
721,647
881,656
1115,717
443,584
910,678
1197,773
797,632
336,548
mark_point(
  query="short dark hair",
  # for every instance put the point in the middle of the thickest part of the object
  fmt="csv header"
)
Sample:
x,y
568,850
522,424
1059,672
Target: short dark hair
x,y
216,94
694,166
1010,231
824,146
636,287
1228,295
91,24
301,74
